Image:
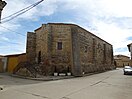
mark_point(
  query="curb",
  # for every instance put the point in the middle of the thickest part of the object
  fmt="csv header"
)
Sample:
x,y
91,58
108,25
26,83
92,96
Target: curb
x,y
52,78
45,78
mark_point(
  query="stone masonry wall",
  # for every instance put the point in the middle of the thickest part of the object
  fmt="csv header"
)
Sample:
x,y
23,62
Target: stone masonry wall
x,y
80,51
51,59
95,53
41,43
76,68
31,47
61,59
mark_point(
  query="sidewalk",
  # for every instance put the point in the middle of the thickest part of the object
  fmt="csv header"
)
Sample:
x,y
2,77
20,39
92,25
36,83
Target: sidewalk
x,y
51,78
44,78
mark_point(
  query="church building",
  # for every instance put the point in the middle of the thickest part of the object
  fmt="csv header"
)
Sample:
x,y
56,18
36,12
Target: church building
x,y
62,48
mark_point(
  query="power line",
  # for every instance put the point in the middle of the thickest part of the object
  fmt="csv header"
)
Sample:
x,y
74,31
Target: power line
x,y
14,15
11,42
16,12
12,30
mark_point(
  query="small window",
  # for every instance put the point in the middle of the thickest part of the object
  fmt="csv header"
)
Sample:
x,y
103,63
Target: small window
x,y
59,45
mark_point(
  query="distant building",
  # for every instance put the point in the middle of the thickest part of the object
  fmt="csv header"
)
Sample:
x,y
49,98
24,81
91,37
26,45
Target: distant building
x,y
9,62
14,60
1,64
61,48
122,60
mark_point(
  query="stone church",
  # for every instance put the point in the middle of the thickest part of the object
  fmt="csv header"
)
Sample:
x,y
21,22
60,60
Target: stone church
x,y
63,48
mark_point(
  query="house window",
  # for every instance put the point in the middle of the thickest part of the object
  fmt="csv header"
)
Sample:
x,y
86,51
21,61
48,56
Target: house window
x,y
59,45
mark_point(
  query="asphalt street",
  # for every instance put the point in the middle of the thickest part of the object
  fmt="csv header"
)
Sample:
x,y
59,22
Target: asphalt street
x,y
108,85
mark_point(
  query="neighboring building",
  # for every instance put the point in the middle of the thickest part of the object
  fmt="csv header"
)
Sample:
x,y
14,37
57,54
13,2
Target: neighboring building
x,y
11,61
122,60
130,50
58,47
1,64
2,5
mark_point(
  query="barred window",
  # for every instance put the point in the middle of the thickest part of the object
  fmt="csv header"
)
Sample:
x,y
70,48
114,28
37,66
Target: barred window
x,y
59,45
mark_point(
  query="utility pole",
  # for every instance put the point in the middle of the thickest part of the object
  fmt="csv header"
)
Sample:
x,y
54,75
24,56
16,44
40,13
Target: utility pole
x,y
130,50
2,5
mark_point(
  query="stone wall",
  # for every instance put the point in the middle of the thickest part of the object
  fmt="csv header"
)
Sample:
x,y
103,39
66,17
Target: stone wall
x,y
68,48
60,58
42,43
31,47
47,55
95,53
76,68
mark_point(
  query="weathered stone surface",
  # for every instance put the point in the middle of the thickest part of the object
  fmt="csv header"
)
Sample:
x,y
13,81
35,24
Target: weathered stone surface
x,y
80,51
31,47
77,70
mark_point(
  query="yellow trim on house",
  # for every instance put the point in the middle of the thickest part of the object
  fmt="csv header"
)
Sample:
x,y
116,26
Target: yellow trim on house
x,y
14,60
12,63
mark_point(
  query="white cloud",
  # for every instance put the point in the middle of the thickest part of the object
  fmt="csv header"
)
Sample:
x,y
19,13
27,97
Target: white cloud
x,y
95,15
122,53
2,38
118,8
13,6
46,8
100,13
112,33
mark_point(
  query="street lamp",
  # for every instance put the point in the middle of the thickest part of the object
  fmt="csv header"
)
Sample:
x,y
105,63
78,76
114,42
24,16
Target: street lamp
x,y
2,5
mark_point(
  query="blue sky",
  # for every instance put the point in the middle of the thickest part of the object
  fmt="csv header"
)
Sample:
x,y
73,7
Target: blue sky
x,y
111,20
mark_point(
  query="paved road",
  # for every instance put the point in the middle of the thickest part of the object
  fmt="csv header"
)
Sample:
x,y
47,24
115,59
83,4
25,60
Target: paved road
x,y
108,85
